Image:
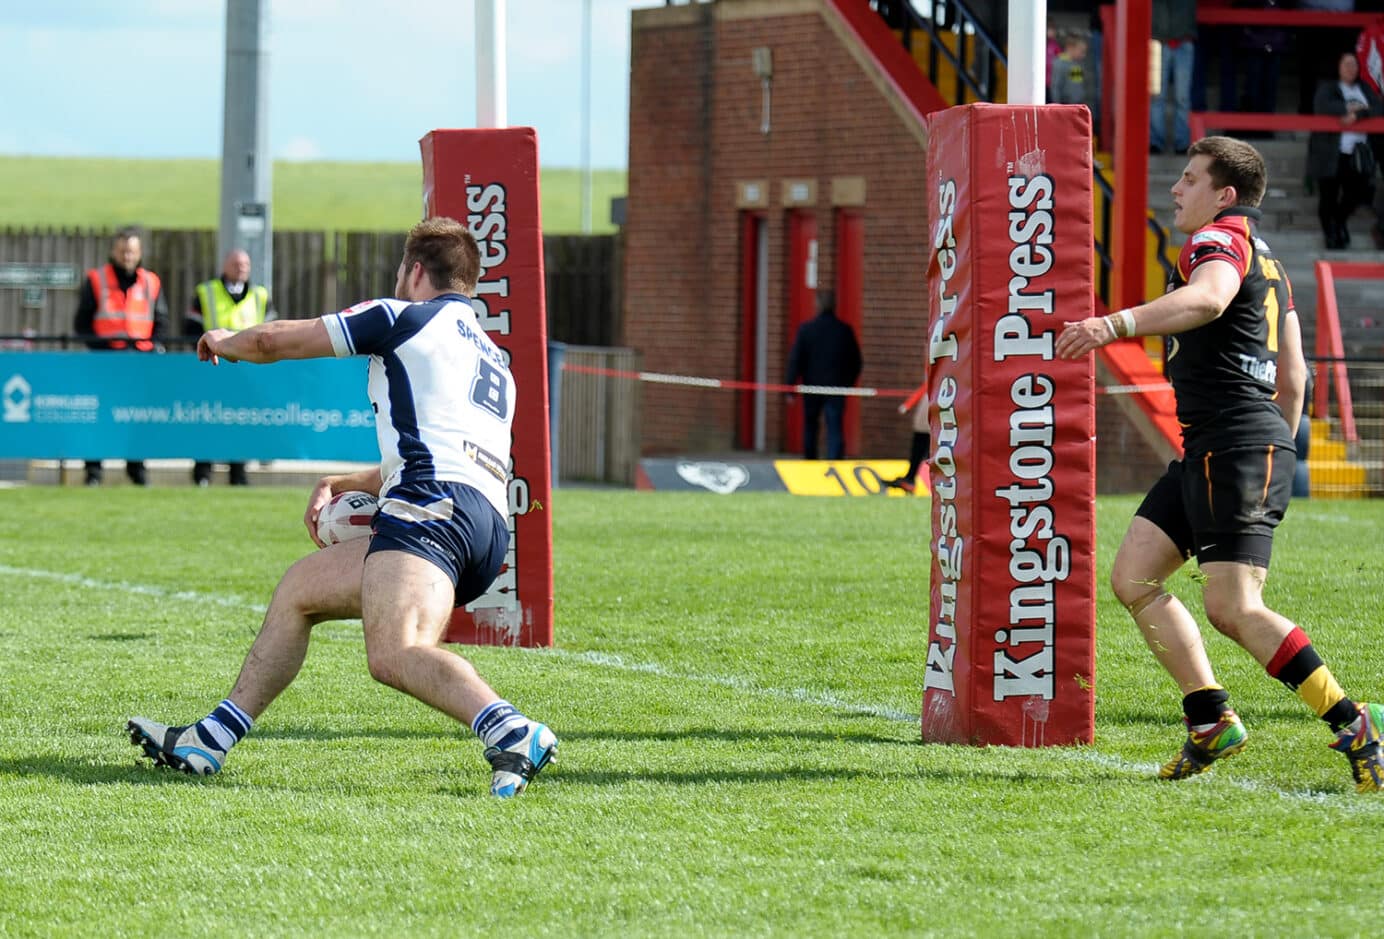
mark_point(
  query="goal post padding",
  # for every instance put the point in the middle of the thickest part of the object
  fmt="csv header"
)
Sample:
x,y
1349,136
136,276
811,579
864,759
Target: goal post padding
x,y
488,179
1011,644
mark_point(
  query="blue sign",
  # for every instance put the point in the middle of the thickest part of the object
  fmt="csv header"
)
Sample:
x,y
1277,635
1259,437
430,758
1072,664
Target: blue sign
x,y
93,405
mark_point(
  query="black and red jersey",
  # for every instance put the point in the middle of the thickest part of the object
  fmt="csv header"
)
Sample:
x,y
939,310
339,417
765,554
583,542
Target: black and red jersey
x,y
1225,372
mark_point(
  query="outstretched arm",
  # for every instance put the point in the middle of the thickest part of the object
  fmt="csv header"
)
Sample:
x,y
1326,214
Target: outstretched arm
x,y
1206,295
267,342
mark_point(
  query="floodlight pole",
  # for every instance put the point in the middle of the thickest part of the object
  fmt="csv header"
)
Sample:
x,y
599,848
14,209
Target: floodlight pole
x,y
586,117
491,97
246,167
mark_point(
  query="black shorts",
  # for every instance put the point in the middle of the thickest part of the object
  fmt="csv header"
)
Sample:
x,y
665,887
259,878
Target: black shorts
x,y
1224,506
449,524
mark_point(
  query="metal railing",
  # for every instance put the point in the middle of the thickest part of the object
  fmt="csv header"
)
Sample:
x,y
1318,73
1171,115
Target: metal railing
x,y
976,63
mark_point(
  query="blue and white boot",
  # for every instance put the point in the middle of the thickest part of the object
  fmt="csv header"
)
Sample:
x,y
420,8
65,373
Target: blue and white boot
x,y
519,757
181,748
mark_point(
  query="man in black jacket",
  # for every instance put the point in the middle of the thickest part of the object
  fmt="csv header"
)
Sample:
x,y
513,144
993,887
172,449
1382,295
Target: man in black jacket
x,y
825,352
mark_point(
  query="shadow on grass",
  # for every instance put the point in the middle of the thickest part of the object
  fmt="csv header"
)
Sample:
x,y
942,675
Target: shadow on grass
x,y
359,733
748,735
1159,719
950,775
698,777
77,773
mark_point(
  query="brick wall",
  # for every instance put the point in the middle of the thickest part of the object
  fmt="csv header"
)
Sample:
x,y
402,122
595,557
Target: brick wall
x,y
695,132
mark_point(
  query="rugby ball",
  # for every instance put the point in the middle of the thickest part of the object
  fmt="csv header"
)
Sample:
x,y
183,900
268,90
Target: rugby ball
x,y
346,516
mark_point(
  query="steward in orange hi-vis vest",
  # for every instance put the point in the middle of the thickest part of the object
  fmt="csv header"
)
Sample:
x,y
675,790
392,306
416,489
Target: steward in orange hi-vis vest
x,y
121,304
124,313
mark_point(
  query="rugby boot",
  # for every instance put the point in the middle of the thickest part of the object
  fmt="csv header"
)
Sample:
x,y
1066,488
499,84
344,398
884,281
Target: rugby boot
x,y
1226,738
1362,748
519,757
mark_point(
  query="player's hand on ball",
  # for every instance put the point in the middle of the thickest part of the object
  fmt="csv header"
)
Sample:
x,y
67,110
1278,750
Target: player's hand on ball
x,y
321,495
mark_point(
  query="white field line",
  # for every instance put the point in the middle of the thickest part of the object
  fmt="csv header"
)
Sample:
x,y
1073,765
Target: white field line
x,y
828,700
121,586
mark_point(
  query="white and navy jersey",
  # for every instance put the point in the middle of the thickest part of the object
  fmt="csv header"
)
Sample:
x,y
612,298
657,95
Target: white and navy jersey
x,y
442,391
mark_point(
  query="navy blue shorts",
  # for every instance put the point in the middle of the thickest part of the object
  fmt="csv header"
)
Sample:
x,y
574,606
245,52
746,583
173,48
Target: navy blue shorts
x,y
449,524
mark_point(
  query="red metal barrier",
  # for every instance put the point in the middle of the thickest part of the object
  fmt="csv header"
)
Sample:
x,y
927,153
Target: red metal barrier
x,y
1199,121
1330,348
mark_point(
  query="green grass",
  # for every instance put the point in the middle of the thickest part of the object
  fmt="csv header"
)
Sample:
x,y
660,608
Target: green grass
x,y
106,193
736,683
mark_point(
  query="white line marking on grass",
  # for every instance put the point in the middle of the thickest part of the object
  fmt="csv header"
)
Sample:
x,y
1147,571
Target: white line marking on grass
x,y
188,596
825,699
801,695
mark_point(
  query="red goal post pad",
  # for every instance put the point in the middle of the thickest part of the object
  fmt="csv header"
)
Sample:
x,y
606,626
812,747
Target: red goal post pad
x,y
488,179
1011,638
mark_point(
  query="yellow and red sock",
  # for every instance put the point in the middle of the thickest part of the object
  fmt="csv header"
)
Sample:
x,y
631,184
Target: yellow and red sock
x,y
1298,666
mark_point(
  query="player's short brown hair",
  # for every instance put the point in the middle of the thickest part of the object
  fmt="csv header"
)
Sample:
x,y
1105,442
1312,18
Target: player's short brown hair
x,y
1234,163
447,251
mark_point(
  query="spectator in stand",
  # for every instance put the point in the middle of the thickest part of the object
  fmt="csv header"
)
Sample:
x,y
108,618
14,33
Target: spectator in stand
x,y
1213,42
1095,62
1054,49
1175,27
1342,163
1069,71
1254,54
1318,47
1369,52
121,307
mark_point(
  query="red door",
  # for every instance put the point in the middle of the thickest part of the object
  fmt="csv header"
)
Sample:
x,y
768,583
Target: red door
x,y
850,300
754,300
802,306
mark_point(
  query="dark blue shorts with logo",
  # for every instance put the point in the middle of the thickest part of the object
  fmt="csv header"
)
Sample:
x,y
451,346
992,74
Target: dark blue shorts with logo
x,y
450,524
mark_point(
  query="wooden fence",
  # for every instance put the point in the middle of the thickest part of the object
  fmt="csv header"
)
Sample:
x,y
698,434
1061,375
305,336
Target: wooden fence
x,y
315,272
598,422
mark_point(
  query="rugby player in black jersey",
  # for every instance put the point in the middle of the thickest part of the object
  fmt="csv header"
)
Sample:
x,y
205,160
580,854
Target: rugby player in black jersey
x,y
1234,354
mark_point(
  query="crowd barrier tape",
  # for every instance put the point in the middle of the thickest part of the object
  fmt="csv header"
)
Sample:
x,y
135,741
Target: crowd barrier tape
x,y
97,405
664,378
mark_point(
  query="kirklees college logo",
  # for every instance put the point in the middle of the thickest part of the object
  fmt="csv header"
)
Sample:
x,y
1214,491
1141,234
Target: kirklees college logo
x,y
721,478
17,396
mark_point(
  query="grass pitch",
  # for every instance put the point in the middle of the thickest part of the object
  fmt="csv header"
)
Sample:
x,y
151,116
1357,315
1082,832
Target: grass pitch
x,y
736,686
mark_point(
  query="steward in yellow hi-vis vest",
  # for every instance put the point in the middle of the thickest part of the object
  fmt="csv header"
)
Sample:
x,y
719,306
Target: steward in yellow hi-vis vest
x,y
230,301
227,302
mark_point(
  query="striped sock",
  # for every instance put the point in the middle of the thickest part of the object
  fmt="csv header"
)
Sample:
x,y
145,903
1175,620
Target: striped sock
x,y
224,726
500,725
1298,666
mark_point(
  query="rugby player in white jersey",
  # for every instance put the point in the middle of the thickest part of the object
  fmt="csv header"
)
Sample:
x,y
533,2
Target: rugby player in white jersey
x,y
444,403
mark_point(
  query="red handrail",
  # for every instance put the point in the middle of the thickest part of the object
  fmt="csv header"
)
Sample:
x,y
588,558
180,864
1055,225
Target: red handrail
x,y
1198,121
1329,344
1225,16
